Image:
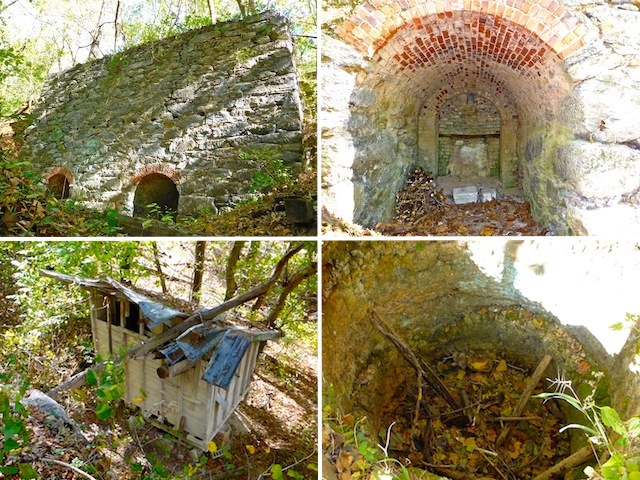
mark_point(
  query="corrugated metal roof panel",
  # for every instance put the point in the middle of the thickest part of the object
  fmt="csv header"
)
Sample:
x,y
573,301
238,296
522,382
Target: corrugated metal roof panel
x,y
172,353
225,360
154,313
198,341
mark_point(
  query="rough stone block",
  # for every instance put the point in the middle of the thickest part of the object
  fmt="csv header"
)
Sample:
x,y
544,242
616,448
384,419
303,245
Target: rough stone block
x,y
596,170
465,195
487,194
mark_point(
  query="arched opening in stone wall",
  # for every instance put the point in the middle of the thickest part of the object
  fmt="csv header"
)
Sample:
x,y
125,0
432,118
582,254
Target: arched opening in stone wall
x,y
59,185
155,195
483,338
478,82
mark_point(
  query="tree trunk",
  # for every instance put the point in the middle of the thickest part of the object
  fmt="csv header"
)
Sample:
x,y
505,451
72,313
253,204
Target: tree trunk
x,y
156,259
290,285
115,28
198,271
243,10
230,273
212,11
201,316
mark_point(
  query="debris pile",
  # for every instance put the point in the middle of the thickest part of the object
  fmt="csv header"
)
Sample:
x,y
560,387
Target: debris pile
x,y
469,445
420,199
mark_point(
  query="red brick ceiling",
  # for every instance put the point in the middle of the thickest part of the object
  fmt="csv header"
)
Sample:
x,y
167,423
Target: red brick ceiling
x,y
509,49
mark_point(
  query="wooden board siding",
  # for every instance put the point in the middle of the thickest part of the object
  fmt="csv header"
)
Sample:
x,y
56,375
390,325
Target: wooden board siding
x,y
202,408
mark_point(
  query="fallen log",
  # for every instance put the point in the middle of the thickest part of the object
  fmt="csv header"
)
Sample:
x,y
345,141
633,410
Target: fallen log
x,y
526,395
577,458
202,315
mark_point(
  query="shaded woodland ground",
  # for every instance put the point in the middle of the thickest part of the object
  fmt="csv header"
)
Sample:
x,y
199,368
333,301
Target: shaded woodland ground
x,y
276,426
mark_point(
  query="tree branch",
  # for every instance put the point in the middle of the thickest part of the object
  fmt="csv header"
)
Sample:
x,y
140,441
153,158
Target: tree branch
x,y
295,280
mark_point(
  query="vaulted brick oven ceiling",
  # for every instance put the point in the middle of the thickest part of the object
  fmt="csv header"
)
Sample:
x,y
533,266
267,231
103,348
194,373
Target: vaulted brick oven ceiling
x,y
506,50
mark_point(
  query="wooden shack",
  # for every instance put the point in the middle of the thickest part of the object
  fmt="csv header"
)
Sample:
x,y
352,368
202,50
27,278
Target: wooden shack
x,y
192,384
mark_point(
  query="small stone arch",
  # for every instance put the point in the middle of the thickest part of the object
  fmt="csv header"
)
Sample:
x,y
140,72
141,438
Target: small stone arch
x,y
59,182
156,184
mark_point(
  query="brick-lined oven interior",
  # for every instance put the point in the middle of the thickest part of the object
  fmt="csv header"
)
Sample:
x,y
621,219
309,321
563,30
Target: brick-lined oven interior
x,y
459,87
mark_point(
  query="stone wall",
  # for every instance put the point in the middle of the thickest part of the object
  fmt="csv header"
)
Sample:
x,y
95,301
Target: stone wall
x,y
182,110
563,75
519,299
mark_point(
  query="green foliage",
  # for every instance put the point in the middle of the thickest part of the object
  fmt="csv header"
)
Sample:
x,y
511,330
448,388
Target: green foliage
x,y
156,212
603,424
272,173
116,63
243,54
108,386
14,434
47,305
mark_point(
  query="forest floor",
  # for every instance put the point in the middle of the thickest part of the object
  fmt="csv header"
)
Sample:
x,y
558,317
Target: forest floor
x,y
426,435
422,208
274,428
274,425
494,218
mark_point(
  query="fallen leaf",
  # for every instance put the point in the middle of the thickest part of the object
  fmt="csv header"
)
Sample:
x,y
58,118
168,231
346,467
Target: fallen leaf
x,y
212,447
251,449
348,419
344,461
502,366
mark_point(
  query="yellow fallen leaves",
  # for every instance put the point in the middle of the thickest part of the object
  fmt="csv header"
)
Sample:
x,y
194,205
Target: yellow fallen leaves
x,y
138,400
212,447
502,366
251,449
481,364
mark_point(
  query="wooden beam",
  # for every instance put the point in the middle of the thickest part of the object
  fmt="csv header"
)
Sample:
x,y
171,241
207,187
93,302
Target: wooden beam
x,y
526,395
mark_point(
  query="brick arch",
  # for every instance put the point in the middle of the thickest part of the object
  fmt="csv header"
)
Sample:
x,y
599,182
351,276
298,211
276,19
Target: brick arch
x,y
375,22
60,170
159,168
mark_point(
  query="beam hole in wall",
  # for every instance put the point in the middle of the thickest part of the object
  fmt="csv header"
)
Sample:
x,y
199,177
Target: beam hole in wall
x,y
155,195
59,186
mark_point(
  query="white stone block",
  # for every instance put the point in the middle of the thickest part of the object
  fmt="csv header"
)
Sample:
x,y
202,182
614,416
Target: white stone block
x,y
487,194
465,195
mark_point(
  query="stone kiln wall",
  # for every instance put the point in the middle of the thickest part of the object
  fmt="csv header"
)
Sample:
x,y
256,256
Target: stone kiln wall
x,y
474,295
185,107
564,76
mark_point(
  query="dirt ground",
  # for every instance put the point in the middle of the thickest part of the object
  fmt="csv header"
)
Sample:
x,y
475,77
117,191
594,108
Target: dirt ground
x,y
276,425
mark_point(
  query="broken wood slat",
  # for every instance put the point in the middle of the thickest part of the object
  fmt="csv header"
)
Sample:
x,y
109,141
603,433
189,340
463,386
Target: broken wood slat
x,y
225,360
526,395
577,458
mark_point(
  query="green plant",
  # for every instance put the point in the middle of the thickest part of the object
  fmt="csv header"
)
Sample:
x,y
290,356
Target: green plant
x,y
603,424
13,429
116,63
243,54
109,387
156,212
272,173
